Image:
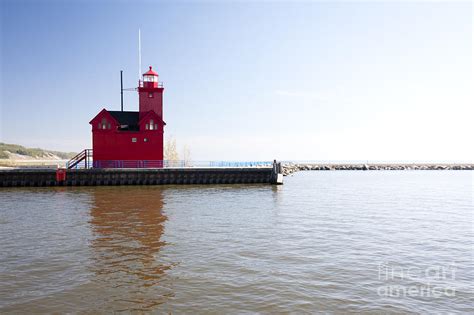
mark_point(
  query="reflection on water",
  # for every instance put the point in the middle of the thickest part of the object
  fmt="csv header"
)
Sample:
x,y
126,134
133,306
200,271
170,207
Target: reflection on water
x,y
82,249
127,229
127,226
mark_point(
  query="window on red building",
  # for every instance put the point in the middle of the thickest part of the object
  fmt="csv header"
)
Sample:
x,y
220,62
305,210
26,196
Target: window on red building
x,y
104,124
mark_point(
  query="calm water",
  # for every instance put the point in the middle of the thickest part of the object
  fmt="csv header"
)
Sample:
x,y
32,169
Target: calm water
x,y
365,242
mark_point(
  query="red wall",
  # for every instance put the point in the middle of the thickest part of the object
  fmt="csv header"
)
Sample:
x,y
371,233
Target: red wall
x,y
147,103
118,145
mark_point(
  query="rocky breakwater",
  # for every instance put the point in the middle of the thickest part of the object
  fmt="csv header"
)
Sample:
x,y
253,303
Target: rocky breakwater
x,y
290,168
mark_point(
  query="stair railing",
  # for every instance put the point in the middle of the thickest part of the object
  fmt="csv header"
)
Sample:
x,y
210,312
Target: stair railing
x,y
85,155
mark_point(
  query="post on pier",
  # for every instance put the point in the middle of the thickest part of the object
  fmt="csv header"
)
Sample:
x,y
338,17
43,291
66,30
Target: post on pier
x,y
277,176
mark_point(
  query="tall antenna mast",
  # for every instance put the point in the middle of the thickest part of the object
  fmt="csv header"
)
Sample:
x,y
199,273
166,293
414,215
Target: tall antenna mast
x,y
121,90
139,55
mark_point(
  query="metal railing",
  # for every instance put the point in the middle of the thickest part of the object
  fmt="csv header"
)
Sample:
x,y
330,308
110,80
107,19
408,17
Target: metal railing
x,y
142,83
89,163
176,164
81,160
239,164
85,160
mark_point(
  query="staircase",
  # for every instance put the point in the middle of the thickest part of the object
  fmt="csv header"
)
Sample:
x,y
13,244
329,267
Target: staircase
x,y
82,160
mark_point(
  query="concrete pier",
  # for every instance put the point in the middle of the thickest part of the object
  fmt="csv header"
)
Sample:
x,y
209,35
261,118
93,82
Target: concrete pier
x,y
170,176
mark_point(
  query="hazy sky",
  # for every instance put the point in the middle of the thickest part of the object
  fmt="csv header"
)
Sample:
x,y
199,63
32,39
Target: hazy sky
x,y
248,80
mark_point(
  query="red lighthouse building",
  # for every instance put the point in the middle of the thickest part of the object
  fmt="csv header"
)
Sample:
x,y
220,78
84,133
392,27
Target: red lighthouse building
x,y
132,139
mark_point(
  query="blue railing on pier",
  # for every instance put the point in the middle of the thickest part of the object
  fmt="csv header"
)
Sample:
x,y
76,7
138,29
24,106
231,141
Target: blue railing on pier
x,y
175,164
167,164
239,164
85,160
80,165
128,164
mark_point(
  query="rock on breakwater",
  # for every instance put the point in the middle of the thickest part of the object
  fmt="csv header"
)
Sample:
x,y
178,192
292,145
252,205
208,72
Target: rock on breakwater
x,y
290,168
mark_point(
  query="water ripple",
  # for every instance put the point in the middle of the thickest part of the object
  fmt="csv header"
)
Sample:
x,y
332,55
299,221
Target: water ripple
x,y
337,242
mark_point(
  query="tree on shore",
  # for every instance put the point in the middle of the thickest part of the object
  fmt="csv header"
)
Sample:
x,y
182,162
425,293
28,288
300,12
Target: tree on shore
x,y
170,152
186,155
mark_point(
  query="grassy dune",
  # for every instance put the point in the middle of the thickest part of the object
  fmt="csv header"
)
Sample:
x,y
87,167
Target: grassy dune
x,y
14,151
